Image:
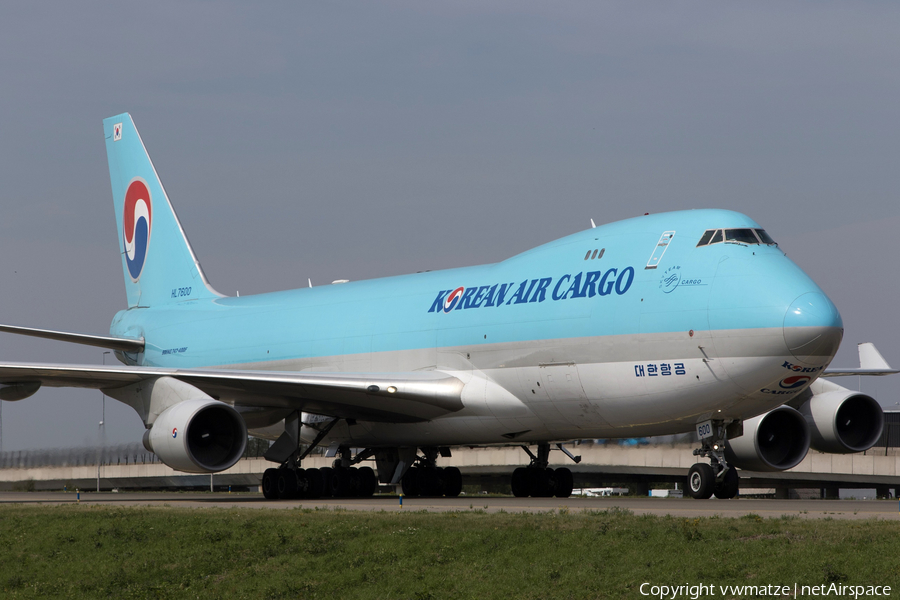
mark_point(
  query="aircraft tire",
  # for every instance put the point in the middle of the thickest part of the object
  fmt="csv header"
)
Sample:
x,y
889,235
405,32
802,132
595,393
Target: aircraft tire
x,y
728,487
367,482
452,482
315,484
326,473
410,482
302,484
521,483
270,484
701,481
435,482
564,482
341,482
287,484
541,482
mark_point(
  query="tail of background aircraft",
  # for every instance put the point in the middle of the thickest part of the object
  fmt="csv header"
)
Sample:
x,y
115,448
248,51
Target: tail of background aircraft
x,y
159,265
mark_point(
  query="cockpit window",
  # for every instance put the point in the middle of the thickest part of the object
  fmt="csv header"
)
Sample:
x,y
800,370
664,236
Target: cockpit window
x,y
707,235
741,236
764,237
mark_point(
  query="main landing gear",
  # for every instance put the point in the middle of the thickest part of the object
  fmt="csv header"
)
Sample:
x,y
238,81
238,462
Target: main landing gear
x,y
540,481
341,480
426,479
717,478
290,480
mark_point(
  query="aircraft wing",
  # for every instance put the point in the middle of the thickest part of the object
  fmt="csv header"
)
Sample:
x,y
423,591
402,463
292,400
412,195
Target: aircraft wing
x,y
389,397
101,341
871,362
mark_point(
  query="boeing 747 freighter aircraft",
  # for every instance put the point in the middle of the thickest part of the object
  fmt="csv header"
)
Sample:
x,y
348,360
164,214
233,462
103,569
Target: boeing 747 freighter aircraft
x,y
661,324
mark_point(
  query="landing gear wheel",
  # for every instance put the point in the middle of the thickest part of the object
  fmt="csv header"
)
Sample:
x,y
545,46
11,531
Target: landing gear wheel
x,y
564,482
367,482
435,483
452,482
302,484
542,482
341,482
701,481
521,483
727,488
410,482
270,484
287,484
315,484
326,474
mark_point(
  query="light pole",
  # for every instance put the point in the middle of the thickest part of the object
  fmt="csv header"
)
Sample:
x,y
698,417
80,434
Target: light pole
x,y
102,429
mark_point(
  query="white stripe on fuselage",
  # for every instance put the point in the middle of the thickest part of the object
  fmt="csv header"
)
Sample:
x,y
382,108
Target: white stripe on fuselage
x,y
582,388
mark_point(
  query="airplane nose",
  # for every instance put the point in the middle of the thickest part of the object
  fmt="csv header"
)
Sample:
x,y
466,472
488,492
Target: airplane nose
x,y
813,328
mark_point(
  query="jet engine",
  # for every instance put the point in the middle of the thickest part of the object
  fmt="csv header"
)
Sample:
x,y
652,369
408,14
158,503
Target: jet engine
x,y
774,441
201,435
841,420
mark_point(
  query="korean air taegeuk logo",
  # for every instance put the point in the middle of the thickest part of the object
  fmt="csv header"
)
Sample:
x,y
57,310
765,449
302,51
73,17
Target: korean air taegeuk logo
x,y
136,226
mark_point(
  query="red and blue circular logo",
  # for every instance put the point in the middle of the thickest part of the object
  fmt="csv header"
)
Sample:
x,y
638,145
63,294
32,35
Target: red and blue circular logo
x,y
136,226
794,382
174,432
453,299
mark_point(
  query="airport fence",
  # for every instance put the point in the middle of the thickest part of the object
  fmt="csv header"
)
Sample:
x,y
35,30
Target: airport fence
x,y
120,454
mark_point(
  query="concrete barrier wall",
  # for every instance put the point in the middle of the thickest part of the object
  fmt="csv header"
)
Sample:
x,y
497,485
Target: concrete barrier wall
x,y
664,461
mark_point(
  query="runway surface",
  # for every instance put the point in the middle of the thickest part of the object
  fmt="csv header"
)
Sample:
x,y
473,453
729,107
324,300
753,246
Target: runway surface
x,y
677,507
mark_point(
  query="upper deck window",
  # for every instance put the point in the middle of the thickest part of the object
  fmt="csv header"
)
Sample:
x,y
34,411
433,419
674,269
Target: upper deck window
x,y
738,236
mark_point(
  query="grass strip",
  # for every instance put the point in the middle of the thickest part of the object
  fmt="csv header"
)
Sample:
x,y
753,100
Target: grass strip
x,y
163,552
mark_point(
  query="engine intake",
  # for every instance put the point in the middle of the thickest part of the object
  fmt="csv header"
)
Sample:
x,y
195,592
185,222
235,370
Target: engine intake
x,y
774,441
843,421
198,436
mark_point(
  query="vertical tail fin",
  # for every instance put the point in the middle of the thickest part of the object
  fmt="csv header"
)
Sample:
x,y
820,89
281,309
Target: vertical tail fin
x,y
159,265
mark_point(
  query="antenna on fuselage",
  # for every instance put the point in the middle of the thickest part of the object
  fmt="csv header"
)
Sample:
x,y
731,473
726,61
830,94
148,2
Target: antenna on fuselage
x,y
593,225
309,279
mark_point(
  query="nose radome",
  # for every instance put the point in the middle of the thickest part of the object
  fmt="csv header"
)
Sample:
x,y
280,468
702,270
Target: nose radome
x,y
813,328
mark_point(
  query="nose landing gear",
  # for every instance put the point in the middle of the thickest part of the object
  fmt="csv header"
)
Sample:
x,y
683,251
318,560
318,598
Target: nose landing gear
x,y
717,478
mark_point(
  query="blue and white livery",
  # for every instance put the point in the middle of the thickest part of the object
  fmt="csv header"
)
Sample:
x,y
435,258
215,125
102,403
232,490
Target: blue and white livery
x,y
661,324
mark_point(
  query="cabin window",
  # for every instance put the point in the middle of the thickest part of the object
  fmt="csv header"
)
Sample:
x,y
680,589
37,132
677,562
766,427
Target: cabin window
x,y
594,255
588,255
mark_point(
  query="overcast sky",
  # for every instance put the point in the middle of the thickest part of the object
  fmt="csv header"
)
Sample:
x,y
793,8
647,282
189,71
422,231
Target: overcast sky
x,y
357,140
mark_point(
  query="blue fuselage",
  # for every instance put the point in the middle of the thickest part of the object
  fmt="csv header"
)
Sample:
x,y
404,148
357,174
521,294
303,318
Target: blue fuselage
x,y
650,331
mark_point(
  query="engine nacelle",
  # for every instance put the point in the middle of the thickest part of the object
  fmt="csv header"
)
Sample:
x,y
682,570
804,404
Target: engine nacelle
x,y
774,441
198,436
18,391
843,421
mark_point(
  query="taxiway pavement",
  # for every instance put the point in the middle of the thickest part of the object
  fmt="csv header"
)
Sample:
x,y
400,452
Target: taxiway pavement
x,y
676,507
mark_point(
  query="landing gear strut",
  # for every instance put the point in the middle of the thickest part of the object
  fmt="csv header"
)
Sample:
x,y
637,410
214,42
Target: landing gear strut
x,y
540,481
425,478
717,478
